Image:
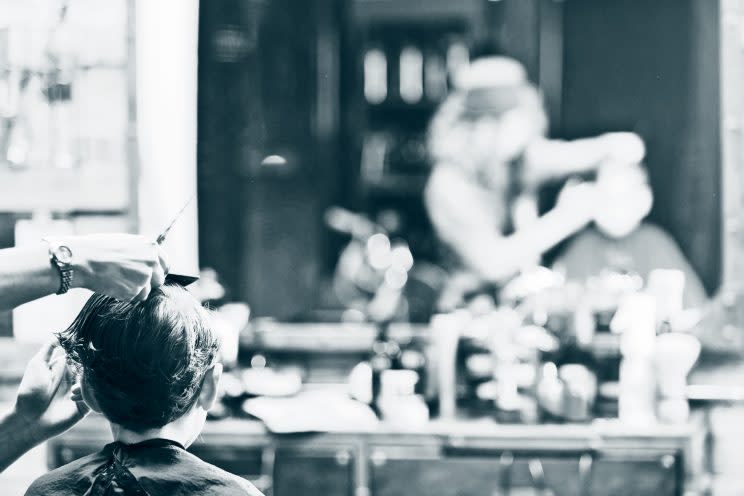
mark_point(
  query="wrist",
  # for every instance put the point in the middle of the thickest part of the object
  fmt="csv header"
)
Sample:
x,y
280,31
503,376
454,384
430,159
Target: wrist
x,y
80,266
22,428
574,218
48,276
61,259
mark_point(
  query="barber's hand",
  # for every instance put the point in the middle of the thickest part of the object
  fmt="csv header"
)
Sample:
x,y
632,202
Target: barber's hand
x,y
124,266
624,147
578,199
47,400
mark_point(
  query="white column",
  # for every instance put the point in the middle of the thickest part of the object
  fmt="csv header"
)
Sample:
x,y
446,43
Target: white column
x,y
166,67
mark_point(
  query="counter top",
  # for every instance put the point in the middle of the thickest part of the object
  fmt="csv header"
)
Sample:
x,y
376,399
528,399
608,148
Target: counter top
x,y
599,435
353,337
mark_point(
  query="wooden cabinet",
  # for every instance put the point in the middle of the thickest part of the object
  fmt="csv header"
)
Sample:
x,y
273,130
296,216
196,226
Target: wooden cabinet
x,y
644,473
444,459
640,475
473,476
329,472
284,469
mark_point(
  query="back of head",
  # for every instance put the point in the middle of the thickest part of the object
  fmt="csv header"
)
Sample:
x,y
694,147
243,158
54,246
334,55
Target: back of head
x,y
491,116
144,362
627,198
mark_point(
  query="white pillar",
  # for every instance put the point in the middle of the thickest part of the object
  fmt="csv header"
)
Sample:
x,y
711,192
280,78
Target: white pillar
x,y
166,67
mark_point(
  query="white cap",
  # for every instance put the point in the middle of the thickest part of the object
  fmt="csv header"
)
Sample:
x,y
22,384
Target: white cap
x,y
490,72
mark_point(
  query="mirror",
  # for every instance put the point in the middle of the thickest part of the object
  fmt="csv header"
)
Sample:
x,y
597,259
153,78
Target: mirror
x,y
317,93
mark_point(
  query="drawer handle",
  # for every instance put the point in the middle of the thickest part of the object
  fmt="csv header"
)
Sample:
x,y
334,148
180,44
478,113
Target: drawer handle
x,y
667,461
343,458
378,458
586,462
506,461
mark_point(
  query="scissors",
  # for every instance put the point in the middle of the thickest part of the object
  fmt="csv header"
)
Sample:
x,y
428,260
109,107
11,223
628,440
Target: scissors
x,y
173,278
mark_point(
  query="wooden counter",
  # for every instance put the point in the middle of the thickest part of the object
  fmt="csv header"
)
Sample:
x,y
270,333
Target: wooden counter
x,y
600,435
474,457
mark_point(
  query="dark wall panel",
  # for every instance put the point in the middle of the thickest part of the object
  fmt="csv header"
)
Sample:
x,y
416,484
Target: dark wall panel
x,y
265,157
652,67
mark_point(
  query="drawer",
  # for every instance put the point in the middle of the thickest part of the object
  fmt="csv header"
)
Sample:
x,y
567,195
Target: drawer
x,y
655,476
395,473
472,476
326,472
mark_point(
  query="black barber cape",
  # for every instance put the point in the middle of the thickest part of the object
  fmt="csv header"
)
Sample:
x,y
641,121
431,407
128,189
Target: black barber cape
x,y
156,467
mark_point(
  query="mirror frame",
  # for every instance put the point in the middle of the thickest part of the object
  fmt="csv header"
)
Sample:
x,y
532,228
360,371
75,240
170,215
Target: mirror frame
x,y
731,58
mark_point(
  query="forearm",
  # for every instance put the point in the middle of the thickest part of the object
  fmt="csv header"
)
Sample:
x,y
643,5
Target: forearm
x,y
26,274
497,258
553,159
17,436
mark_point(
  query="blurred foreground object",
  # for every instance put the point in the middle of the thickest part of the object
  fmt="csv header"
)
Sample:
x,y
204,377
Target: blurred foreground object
x,y
312,411
676,353
375,276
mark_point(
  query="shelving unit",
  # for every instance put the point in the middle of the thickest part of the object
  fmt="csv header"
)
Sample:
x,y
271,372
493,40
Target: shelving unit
x,y
68,144
68,131
446,458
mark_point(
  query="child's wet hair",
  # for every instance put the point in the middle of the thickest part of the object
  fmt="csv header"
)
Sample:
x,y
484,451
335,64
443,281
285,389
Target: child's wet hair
x,y
144,362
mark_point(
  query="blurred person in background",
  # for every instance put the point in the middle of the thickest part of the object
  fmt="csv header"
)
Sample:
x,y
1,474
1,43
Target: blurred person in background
x,y
490,152
124,266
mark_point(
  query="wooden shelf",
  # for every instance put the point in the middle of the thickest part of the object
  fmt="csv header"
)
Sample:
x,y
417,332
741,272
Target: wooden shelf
x,y
459,434
269,335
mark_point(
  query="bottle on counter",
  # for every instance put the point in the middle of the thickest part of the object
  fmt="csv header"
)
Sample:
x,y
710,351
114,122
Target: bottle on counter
x,y
385,354
508,406
474,365
667,287
676,353
413,357
579,392
636,319
549,392
446,332
398,403
518,346
607,291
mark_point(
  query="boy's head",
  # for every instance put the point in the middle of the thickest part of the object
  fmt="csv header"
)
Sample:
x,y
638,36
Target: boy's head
x,y
627,198
146,364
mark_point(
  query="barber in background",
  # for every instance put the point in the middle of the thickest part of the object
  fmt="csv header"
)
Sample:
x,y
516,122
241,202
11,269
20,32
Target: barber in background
x,y
489,148
124,266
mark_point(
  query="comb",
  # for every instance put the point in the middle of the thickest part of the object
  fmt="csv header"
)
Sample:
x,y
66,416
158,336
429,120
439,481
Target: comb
x,y
161,238
171,278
